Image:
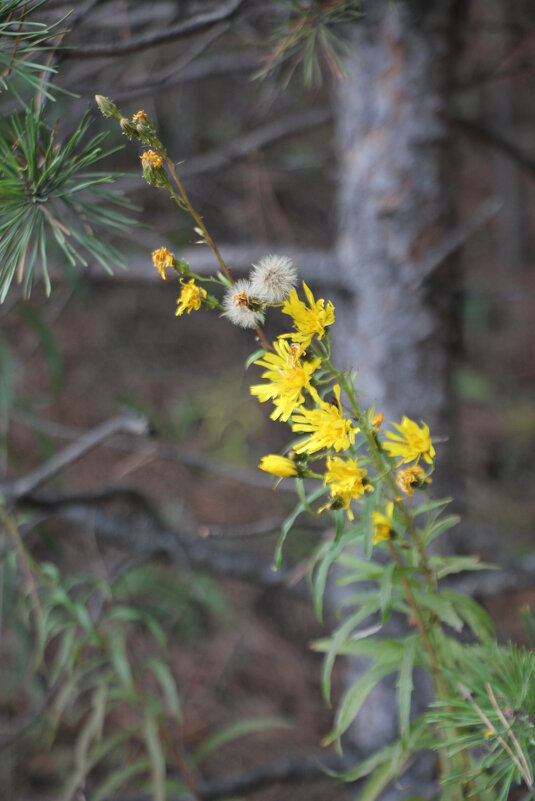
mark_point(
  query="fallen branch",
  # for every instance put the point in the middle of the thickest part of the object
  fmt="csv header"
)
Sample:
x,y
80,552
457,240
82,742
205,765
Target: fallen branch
x,y
16,490
145,537
155,450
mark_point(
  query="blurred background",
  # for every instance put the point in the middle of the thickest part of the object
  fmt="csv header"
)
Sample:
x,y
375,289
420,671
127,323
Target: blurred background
x,y
389,149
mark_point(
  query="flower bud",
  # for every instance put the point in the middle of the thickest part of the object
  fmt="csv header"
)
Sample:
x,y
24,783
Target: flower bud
x,y
153,170
145,128
107,108
128,128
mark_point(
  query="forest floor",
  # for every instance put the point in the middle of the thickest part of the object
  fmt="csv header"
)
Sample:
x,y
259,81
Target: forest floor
x,y
247,654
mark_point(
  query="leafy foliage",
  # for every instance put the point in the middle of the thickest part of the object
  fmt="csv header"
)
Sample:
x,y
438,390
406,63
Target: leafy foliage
x,y
83,653
493,714
21,39
310,37
50,194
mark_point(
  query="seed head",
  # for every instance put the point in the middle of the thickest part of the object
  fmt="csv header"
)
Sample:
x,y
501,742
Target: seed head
x,y
241,306
273,278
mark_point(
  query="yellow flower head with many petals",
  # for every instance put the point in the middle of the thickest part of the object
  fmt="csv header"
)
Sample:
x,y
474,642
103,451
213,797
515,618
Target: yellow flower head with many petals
x,y
311,320
278,465
346,481
191,297
151,160
287,377
326,427
161,259
410,477
410,443
382,523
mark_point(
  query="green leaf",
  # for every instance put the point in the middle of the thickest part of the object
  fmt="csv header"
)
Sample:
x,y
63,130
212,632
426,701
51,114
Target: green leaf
x,y
120,661
472,613
431,506
369,765
258,354
385,591
435,530
290,520
320,577
405,685
120,778
355,697
167,683
235,731
157,757
341,635
441,606
382,776
448,565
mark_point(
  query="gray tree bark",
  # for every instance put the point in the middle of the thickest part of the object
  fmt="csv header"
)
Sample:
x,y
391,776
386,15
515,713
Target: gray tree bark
x,y
398,325
393,208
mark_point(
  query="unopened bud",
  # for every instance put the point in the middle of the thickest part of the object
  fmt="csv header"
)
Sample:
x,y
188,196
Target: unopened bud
x,y
107,108
153,170
128,128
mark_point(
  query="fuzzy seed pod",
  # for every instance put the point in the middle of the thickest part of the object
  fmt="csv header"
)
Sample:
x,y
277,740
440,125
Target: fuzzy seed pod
x,y
273,278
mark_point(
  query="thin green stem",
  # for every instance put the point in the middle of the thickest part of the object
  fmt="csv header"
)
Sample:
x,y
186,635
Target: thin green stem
x,y
184,202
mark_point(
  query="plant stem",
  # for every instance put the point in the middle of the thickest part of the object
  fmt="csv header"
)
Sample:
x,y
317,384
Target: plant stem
x,y
184,201
196,216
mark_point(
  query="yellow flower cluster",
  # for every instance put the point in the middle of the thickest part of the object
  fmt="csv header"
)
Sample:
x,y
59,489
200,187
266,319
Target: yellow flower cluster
x,y
346,481
151,160
161,259
141,117
277,465
288,375
411,477
382,523
326,427
191,297
309,321
410,443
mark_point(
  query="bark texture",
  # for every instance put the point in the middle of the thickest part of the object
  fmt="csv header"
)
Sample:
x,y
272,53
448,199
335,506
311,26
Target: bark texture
x,y
393,208
399,327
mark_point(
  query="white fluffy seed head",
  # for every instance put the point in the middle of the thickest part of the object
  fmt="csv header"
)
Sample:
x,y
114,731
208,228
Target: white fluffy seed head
x,y
237,302
273,278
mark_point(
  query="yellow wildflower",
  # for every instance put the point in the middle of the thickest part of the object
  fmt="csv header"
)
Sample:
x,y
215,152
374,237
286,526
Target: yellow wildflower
x,y
410,477
326,426
150,159
161,259
191,297
489,733
382,523
288,376
278,465
377,421
411,443
311,320
140,116
346,481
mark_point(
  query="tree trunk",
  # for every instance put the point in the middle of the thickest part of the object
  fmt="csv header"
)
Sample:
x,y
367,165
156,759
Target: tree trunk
x,y
397,326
